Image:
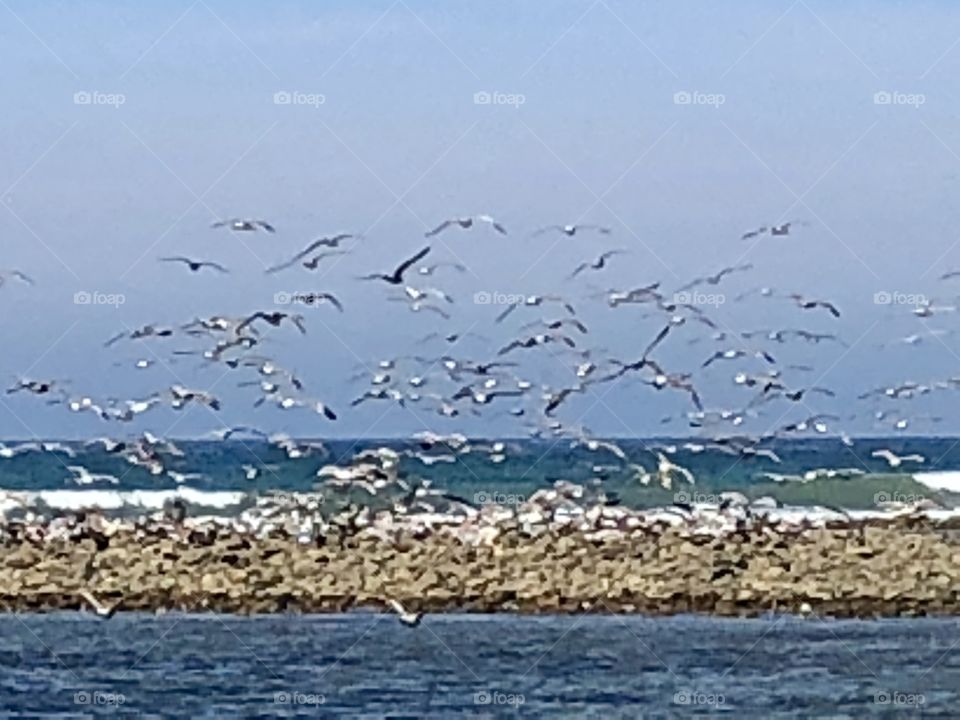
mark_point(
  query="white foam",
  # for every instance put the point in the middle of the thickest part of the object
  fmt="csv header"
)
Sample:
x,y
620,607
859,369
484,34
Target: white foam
x,y
118,500
948,481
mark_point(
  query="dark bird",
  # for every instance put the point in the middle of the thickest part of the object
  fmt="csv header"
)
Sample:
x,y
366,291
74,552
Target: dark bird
x,y
598,264
396,278
274,319
331,242
195,265
807,304
717,277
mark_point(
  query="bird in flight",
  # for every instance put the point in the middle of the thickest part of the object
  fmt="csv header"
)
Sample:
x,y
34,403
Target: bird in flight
x,y
396,277
466,223
598,264
330,242
244,225
571,230
195,265
22,277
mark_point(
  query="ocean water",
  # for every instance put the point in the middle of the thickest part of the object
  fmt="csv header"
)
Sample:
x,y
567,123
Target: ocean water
x,y
368,665
529,465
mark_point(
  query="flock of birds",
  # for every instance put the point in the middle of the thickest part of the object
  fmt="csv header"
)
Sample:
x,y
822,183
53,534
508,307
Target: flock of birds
x,y
502,380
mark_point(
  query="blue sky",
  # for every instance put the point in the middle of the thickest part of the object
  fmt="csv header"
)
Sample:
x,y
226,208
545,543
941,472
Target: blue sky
x,y
95,193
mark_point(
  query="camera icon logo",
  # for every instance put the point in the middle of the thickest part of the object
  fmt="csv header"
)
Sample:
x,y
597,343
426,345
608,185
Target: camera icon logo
x,y
82,298
682,97
481,98
282,98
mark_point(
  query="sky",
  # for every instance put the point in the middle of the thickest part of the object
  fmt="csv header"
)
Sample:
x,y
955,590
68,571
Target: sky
x,y
129,128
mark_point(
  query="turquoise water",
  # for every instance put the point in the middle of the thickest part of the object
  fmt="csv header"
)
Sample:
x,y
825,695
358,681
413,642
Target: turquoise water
x,y
529,465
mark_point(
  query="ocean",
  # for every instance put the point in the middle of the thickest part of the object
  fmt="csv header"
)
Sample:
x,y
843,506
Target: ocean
x,y
217,481
369,666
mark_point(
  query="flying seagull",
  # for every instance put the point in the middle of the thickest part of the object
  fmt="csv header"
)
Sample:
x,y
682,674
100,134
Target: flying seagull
x,y
598,264
408,619
195,265
22,277
396,277
244,225
571,230
331,242
104,611
466,223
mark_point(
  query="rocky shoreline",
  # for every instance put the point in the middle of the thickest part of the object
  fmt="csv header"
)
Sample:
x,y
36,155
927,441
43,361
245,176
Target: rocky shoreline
x,y
611,560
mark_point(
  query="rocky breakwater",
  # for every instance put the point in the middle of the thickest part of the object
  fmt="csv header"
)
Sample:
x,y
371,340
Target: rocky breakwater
x,y
559,557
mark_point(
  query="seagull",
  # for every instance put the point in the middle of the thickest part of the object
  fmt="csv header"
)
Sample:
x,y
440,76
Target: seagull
x,y
571,230
535,301
4,274
274,319
314,262
598,264
331,242
807,304
431,269
734,354
104,611
894,460
396,277
195,265
244,225
406,618
716,277
466,223
534,341
82,476
319,298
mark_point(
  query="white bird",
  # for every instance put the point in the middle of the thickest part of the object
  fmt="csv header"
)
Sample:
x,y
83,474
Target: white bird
x,y
894,460
406,618
104,611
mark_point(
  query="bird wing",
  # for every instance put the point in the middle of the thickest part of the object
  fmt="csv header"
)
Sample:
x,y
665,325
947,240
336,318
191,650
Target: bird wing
x,y
405,265
439,228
